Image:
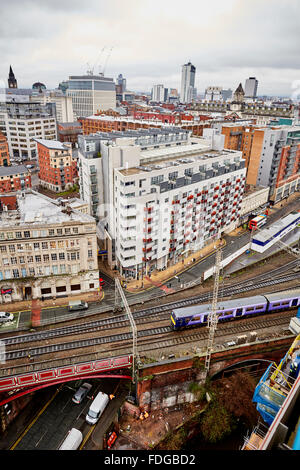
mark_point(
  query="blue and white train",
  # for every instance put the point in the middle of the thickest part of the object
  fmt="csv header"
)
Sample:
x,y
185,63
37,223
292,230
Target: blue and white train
x,y
238,308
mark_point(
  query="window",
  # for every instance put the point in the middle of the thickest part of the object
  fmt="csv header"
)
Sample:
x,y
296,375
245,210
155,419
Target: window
x,y
73,256
67,230
27,234
36,246
63,269
13,260
10,235
54,256
18,234
38,258
52,245
59,231
5,261
3,249
46,257
61,256
44,245
55,269
60,244
75,229
21,260
51,232
16,273
61,289
31,271
12,248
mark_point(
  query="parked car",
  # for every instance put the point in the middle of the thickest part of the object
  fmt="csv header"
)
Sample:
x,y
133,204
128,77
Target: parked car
x,y
81,393
72,441
6,316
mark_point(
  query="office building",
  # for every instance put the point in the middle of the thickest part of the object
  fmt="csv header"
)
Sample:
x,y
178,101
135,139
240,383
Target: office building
x,y
121,83
46,249
91,94
251,85
188,73
23,121
213,93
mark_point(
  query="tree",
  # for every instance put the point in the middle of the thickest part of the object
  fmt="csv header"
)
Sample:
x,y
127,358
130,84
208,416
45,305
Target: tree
x,y
216,422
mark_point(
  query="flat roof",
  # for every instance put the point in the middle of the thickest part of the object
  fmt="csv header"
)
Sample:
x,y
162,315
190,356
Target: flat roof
x,y
52,144
286,294
13,170
267,233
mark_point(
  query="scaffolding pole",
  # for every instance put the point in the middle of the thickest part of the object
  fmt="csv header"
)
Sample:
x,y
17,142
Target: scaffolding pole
x,y
135,354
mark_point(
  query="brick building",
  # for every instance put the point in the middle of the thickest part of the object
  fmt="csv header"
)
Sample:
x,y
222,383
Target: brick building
x,y
58,168
4,152
69,132
14,178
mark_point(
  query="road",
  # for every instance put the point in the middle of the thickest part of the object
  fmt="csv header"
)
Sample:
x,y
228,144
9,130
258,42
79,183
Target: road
x,y
59,414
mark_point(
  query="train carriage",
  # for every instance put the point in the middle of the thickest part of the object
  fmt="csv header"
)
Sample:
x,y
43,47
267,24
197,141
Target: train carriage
x,y
284,299
226,310
236,308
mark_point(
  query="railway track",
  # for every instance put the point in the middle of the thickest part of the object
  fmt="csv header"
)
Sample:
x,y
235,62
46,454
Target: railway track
x,y
141,316
149,338
155,313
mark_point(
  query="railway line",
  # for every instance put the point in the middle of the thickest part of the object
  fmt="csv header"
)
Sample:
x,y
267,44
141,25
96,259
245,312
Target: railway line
x,y
151,337
156,313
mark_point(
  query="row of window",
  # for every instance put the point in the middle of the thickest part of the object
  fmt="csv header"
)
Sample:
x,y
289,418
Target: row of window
x,y
39,271
38,258
38,233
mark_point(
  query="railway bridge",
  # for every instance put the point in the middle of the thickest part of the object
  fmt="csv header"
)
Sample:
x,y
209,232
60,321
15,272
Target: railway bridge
x,y
162,383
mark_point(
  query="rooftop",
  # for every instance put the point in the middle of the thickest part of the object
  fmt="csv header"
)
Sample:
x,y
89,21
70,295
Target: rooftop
x,y
13,170
53,144
37,209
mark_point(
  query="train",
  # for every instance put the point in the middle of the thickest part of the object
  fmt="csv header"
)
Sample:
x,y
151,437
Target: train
x,y
227,310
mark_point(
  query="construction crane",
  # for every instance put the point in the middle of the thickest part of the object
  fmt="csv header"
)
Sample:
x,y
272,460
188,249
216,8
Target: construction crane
x,y
135,354
212,319
108,56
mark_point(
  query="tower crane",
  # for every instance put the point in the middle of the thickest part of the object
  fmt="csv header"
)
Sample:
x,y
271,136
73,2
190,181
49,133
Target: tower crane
x,y
135,354
108,56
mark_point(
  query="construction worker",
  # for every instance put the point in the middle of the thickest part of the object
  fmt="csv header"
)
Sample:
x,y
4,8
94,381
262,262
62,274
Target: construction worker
x,y
111,396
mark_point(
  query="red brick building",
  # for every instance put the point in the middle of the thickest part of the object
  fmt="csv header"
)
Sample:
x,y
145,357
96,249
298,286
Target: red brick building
x,y
69,132
14,178
4,152
58,168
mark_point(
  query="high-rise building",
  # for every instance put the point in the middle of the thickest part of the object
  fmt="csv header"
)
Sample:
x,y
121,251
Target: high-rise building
x,y
12,82
213,93
158,93
162,193
91,94
251,85
188,73
121,82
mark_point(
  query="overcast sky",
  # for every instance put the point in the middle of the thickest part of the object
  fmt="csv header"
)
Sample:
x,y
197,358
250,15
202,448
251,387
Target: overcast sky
x,y
226,40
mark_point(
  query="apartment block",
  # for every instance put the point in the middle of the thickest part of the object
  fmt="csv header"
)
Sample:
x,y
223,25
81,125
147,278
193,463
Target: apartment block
x,y
46,249
58,168
14,178
163,195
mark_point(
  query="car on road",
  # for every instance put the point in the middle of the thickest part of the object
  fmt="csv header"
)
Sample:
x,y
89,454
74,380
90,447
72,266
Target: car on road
x,y
81,393
77,305
6,316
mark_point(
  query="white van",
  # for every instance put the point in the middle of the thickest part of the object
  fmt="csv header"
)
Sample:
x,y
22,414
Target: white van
x,y
72,441
97,407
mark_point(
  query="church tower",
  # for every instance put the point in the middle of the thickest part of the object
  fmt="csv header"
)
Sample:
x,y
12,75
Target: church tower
x,y
237,104
12,82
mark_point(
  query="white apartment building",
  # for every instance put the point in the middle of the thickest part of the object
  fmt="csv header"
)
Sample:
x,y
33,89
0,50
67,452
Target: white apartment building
x,y
63,104
158,93
91,94
22,122
164,195
46,249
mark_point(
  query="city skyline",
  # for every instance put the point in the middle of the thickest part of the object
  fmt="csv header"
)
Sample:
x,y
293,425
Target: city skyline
x,y
218,39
